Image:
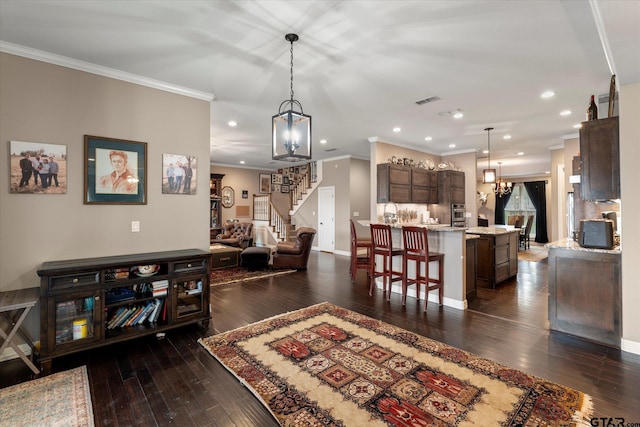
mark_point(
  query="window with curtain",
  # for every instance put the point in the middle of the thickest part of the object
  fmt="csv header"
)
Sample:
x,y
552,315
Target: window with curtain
x,y
520,204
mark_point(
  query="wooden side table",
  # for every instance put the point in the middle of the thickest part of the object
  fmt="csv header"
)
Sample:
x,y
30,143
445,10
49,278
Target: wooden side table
x,y
15,307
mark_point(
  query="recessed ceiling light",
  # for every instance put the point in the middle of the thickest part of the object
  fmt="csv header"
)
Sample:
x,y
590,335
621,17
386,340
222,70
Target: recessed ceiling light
x,y
323,141
428,138
242,162
547,171
232,123
396,129
565,113
506,137
452,145
520,153
548,94
577,126
458,115
485,151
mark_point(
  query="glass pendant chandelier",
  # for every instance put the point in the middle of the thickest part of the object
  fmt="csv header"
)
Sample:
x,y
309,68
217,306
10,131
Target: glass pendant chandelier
x,y
502,187
489,175
291,129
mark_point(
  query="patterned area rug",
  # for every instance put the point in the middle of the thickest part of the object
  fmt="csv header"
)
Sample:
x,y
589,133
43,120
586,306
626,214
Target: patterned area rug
x,y
328,366
225,276
61,399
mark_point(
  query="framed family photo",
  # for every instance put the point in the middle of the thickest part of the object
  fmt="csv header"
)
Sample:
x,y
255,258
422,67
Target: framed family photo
x,y
178,171
37,168
115,171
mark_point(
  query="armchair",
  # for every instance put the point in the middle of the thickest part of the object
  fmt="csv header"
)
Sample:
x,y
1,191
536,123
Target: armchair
x,y
295,254
237,234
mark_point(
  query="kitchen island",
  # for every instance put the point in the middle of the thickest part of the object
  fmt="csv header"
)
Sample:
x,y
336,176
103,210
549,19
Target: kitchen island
x,y
585,291
497,254
444,239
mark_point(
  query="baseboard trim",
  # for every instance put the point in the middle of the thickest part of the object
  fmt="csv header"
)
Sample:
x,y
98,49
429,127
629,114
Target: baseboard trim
x,y
630,346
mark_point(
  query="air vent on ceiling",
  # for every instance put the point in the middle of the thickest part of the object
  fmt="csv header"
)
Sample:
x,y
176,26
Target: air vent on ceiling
x,y
330,149
428,100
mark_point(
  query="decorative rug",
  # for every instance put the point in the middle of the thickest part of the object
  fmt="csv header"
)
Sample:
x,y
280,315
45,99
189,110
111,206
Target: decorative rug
x,y
535,253
225,276
61,399
328,366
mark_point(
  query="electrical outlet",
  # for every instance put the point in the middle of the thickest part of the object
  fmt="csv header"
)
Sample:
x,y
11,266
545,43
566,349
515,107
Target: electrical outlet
x,y
135,226
356,214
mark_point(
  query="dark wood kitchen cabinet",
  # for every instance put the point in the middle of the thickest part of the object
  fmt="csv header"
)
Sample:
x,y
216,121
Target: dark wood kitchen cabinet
x,y
424,186
585,297
600,156
471,289
497,258
450,187
394,183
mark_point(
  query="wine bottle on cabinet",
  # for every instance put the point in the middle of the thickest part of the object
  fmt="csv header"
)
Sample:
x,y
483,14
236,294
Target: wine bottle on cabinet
x,y
592,111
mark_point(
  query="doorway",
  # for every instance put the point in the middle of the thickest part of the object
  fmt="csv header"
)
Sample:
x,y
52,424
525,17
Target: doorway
x,y
326,219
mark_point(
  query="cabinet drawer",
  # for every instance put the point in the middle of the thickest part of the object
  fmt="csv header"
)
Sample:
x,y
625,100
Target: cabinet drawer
x,y
502,254
190,266
502,239
71,280
502,272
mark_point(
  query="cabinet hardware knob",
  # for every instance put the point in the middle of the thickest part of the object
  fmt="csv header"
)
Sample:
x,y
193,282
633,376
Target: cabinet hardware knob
x,y
175,286
189,265
75,280
97,298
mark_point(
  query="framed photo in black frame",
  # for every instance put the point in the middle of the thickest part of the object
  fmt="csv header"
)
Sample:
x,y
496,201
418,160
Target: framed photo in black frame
x,y
115,171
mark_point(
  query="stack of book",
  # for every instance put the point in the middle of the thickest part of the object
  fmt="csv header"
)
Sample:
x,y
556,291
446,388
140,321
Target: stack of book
x,y
160,287
136,314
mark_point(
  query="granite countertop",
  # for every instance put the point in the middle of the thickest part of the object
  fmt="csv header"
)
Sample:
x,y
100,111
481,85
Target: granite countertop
x,y
491,230
430,227
574,246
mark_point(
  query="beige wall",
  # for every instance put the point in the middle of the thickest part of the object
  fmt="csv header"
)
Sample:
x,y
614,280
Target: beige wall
x,y
240,179
47,103
360,200
630,206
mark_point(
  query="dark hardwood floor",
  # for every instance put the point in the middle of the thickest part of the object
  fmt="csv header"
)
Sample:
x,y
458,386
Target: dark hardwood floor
x,y
174,381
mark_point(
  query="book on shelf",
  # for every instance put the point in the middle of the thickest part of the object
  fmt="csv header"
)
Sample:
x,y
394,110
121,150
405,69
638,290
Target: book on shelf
x,y
124,318
159,284
132,316
146,312
194,291
153,317
117,316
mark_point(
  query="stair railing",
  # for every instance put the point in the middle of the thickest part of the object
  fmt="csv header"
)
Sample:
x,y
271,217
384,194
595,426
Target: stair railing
x,y
263,210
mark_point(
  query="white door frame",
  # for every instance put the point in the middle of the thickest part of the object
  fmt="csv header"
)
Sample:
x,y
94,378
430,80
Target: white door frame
x,y
326,219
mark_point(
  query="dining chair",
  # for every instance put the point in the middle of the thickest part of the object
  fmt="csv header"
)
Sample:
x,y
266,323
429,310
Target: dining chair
x,y
360,253
416,248
524,238
382,246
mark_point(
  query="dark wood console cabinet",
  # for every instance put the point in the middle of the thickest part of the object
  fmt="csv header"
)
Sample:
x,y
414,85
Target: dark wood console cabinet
x,y
92,302
600,155
585,294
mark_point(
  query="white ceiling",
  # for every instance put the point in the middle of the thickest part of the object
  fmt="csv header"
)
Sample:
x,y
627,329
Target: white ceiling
x,y
359,66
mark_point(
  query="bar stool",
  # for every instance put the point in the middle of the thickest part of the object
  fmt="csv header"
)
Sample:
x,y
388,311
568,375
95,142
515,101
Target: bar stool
x,y
416,248
359,260
382,245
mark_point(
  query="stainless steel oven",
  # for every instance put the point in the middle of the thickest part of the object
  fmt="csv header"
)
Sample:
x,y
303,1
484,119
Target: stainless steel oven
x,y
458,215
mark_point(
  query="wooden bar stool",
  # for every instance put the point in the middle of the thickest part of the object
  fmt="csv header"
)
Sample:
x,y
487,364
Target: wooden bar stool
x,y
382,245
360,253
416,248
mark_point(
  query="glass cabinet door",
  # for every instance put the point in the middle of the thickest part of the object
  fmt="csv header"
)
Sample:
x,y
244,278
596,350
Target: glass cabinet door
x,y
188,298
75,319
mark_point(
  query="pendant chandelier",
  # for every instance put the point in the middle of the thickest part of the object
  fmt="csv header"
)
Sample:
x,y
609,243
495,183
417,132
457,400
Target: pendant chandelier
x,y
291,129
502,187
489,175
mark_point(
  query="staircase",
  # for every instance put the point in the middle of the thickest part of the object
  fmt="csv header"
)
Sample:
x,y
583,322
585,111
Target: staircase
x,y
279,224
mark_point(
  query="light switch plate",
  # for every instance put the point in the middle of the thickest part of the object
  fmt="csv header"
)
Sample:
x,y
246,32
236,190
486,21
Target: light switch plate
x,y
135,226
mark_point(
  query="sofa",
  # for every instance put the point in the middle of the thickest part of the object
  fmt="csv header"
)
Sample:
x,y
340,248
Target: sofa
x,y
295,254
236,234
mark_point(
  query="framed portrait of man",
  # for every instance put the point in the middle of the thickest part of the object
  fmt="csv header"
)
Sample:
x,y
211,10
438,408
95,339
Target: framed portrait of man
x,y
115,171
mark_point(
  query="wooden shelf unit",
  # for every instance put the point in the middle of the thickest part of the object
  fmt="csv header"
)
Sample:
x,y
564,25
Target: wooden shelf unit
x,y
80,299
